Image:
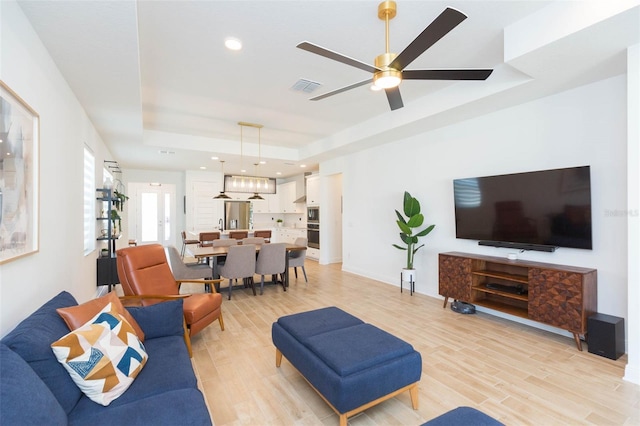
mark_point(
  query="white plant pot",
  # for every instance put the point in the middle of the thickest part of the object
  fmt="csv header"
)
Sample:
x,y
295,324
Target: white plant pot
x,y
408,275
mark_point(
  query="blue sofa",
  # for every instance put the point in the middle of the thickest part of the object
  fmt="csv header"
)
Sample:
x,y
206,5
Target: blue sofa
x,y
36,389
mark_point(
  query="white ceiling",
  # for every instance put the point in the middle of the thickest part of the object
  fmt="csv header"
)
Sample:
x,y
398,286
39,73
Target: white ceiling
x,y
155,76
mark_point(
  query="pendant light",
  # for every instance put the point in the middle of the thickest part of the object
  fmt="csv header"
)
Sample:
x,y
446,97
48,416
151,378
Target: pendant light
x,y
222,195
256,196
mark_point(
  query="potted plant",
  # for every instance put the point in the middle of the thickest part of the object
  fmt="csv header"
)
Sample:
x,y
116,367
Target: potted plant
x,y
279,222
114,216
119,199
408,224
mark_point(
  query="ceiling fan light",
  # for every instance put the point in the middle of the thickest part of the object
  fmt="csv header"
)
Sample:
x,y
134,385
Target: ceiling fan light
x,y
232,43
387,79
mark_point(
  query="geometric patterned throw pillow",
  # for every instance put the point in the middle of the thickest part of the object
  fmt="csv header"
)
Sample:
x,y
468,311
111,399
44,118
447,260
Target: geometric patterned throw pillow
x,y
103,357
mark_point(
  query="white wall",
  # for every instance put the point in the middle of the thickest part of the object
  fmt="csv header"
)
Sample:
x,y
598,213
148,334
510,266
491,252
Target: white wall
x,y
584,126
632,372
28,282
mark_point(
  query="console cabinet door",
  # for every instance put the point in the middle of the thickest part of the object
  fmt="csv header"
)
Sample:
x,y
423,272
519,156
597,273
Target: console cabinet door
x,y
455,277
556,298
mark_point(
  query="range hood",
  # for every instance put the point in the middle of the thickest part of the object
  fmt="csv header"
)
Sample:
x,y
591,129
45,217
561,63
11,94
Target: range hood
x,y
302,199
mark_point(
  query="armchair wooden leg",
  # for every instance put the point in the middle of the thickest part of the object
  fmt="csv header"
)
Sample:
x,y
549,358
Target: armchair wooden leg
x,y
278,357
187,338
221,321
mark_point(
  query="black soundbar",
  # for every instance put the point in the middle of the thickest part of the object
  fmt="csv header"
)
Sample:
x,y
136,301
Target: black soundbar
x,y
518,246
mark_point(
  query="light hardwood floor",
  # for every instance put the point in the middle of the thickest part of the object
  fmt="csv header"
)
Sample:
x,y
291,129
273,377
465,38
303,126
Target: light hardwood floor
x,y
518,374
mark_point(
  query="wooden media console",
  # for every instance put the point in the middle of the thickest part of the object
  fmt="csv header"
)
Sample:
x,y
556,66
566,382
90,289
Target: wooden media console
x,y
557,295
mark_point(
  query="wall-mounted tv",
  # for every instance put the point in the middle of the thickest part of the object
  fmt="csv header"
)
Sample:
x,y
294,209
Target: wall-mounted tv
x,y
538,210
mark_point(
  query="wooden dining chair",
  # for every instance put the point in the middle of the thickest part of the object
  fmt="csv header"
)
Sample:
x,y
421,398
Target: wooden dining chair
x,y
185,242
266,234
238,235
207,238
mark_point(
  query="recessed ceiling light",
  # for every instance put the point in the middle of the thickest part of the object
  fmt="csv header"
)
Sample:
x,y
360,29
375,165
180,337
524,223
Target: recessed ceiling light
x,y
203,168
214,158
232,43
302,166
278,173
263,162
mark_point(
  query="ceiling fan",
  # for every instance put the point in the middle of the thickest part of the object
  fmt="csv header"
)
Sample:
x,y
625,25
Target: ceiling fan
x,y
389,68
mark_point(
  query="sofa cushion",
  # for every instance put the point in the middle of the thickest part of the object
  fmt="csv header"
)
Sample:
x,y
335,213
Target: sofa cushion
x,y
168,368
77,316
24,398
32,339
160,320
103,357
353,349
184,407
308,324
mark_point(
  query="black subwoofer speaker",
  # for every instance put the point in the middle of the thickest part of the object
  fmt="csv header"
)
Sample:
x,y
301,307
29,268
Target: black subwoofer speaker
x,y
605,335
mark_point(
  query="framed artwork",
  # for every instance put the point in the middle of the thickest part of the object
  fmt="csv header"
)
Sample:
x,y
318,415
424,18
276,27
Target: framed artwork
x,y
19,176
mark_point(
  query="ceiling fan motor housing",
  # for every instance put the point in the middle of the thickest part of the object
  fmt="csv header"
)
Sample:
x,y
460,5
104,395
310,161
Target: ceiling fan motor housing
x,y
388,77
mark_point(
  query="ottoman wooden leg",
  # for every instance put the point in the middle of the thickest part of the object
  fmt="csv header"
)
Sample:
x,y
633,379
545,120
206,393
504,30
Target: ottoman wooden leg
x,y
413,392
278,357
343,420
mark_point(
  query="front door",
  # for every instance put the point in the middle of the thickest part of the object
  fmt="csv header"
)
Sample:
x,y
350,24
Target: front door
x,y
155,213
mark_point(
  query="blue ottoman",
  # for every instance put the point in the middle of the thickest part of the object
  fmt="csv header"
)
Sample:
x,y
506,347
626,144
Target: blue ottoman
x,y
352,365
462,416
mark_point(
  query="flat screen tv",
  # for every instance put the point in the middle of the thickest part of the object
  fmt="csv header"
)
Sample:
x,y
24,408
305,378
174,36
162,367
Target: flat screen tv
x,y
538,210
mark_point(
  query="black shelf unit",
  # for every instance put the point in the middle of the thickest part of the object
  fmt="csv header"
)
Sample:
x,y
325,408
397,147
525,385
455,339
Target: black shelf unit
x,y
106,269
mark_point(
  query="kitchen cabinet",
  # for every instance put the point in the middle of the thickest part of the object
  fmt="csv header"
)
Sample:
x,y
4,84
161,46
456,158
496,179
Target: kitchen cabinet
x,y
287,194
288,235
313,190
273,201
313,253
260,206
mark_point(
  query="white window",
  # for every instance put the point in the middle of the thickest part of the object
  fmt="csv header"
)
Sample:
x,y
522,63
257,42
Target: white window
x,y
89,217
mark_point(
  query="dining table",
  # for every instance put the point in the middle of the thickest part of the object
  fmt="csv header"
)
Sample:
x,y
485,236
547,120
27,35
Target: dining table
x,y
201,253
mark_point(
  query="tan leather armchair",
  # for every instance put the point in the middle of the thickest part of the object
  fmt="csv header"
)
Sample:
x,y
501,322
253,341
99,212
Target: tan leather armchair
x,y
143,270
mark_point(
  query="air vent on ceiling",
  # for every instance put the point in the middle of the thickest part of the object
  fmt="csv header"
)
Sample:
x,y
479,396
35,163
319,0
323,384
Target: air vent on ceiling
x,y
306,86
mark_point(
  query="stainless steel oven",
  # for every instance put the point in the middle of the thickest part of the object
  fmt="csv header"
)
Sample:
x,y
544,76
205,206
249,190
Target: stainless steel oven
x,y
313,214
313,235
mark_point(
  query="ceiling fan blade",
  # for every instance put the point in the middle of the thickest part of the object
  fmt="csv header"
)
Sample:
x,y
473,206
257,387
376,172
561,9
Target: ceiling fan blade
x,y
445,22
318,50
394,98
468,74
343,89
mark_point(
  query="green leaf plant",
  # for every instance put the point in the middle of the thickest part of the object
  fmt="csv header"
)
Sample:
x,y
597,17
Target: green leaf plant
x,y
408,224
114,216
